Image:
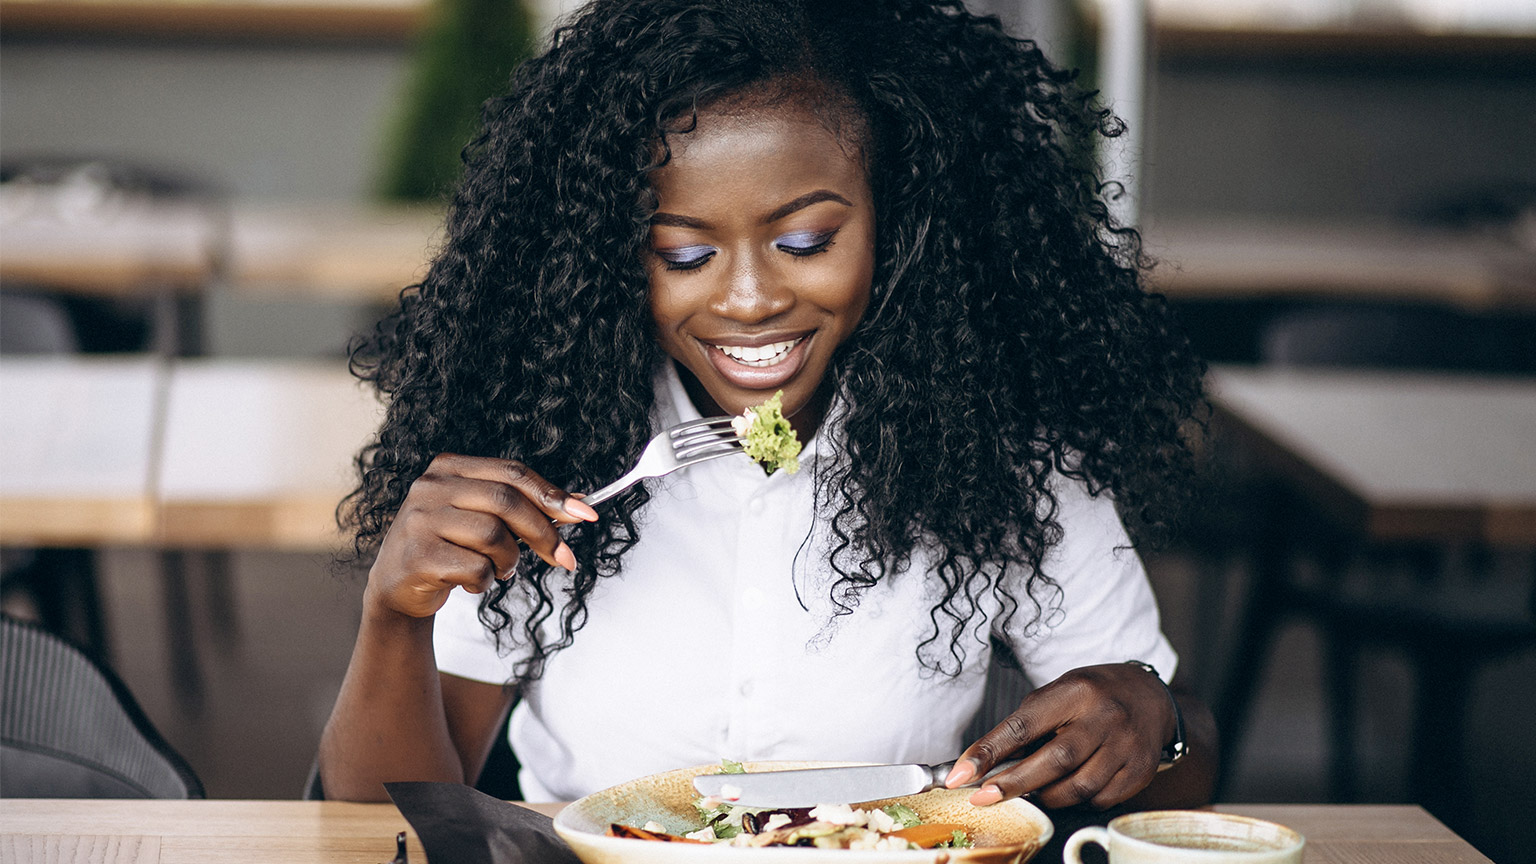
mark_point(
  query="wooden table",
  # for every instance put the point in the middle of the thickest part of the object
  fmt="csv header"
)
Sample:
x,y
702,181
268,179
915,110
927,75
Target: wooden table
x,y
134,246
258,453
1255,259
300,832
89,240
1395,456
330,251
78,446
187,453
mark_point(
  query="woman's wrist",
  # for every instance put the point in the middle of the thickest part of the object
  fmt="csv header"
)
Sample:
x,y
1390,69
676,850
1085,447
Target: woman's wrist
x,y
379,614
1175,745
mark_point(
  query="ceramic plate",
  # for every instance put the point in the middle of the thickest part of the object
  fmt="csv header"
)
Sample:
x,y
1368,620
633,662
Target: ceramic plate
x,y
1007,833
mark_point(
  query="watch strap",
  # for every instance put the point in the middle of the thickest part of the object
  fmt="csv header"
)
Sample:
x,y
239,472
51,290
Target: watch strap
x,y
1174,750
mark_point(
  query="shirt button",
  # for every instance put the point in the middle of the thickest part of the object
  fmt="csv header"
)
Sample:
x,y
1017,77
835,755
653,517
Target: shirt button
x,y
746,689
756,505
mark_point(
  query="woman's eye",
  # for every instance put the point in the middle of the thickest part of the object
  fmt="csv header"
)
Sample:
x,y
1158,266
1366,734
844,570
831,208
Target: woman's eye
x,y
686,257
805,242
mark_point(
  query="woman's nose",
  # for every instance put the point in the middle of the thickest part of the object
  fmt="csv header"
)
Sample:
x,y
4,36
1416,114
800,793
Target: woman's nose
x,y
752,292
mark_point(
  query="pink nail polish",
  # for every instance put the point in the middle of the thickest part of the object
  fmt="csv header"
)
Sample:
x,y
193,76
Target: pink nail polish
x,y
963,772
576,507
566,558
987,795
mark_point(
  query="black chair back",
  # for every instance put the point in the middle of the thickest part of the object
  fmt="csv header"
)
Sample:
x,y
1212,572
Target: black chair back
x,y
69,728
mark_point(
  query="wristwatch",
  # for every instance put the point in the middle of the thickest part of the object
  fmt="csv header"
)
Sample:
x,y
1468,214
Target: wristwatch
x,y
1174,750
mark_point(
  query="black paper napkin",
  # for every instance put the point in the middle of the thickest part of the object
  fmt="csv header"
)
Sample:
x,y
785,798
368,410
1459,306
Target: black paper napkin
x,y
460,825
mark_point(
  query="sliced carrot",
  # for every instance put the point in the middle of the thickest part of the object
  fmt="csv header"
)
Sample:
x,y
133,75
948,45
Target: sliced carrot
x,y
617,830
928,836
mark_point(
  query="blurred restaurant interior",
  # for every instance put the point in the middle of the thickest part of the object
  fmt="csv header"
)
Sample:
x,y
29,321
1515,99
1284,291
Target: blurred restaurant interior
x,y
201,206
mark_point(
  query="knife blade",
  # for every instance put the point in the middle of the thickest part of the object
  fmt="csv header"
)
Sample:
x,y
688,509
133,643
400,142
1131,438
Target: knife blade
x,y
808,787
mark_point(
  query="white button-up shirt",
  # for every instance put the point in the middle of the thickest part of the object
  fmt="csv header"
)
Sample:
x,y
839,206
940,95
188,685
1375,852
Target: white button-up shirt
x,y
718,639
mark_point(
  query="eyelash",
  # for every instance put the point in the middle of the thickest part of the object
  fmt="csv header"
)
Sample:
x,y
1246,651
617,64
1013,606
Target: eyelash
x,y
688,264
822,244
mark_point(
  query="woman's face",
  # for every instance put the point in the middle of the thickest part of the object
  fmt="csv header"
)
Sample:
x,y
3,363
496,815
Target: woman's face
x,y
762,252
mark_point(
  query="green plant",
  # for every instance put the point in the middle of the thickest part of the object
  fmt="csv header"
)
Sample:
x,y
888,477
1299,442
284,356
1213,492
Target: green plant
x,y
464,54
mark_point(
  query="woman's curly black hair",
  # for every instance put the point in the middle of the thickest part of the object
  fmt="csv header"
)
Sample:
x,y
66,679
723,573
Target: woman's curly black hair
x,y
1008,341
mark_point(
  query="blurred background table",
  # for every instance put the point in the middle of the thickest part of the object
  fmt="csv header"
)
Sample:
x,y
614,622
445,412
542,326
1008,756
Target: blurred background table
x,y
111,245
188,453
1405,516
145,832
1396,455
258,453
330,251
79,441
84,239
1253,259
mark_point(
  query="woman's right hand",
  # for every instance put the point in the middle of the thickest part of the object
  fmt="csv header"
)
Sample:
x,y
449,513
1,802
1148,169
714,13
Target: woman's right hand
x,y
461,524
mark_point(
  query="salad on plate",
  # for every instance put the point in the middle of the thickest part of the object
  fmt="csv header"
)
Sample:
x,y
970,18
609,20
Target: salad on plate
x,y
826,826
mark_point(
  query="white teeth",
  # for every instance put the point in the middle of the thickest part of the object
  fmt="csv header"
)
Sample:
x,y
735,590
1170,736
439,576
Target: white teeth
x,y
759,355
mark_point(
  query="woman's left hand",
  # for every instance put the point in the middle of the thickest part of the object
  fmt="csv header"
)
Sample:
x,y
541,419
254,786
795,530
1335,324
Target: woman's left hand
x,y
1100,730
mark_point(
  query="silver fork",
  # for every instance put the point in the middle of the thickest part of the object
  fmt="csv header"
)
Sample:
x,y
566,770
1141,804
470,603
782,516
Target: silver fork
x,y
687,443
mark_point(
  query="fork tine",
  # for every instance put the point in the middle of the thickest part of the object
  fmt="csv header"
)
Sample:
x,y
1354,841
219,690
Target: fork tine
x,y
702,424
704,436
706,421
710,452
703,430
689,450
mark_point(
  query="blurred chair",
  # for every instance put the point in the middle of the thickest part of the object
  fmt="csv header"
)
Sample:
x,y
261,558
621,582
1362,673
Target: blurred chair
x,y
1425,601
70,729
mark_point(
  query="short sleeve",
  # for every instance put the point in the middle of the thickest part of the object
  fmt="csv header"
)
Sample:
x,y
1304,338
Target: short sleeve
x,y
1104,610
464,647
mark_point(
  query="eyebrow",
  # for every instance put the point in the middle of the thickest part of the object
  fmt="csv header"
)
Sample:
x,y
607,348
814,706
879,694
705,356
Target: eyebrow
x,y
805,201
800,203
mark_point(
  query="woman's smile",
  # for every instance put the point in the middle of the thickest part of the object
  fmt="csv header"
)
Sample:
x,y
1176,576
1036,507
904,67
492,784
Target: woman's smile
x,y
761,356
759,366
762,252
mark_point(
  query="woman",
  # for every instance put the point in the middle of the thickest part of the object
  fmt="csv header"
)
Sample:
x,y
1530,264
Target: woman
x,y
880,208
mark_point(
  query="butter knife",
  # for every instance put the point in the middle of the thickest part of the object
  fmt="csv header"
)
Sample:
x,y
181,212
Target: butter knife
x,y
808,787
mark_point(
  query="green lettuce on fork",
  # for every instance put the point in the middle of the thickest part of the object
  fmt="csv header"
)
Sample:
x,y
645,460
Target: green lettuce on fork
x,y
767,436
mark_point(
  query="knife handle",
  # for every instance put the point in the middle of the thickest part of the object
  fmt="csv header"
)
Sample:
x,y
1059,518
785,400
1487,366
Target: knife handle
x,y
942,770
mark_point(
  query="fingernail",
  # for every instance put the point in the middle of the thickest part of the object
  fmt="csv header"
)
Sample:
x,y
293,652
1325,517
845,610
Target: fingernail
x,y
986,795
963,773
576,507
566,558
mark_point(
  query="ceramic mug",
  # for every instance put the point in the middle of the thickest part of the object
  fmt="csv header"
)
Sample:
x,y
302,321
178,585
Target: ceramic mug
x,y
1189,836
